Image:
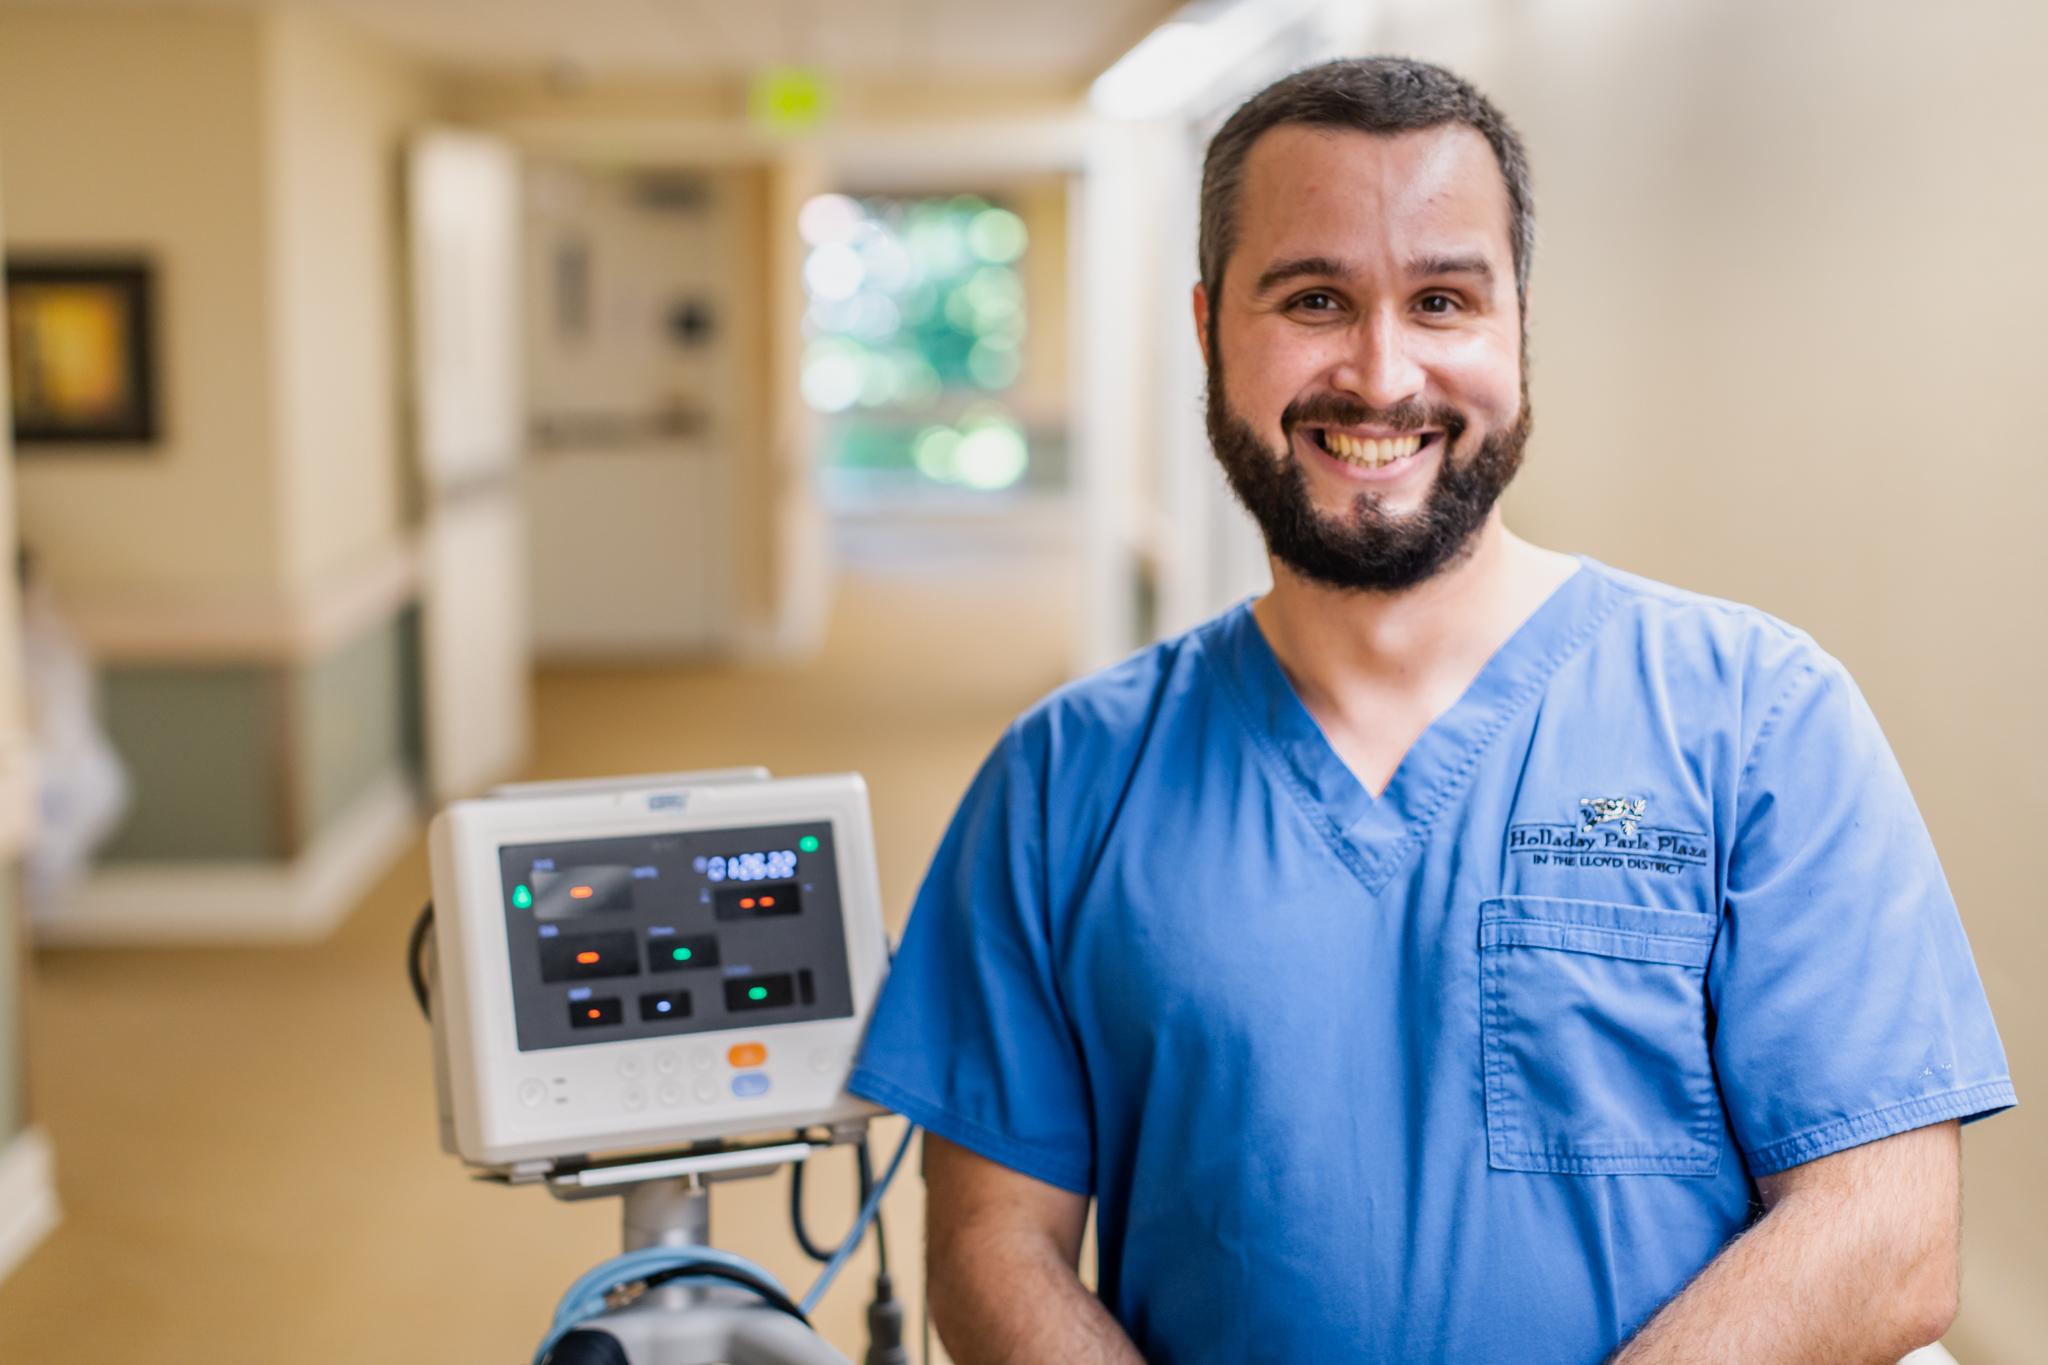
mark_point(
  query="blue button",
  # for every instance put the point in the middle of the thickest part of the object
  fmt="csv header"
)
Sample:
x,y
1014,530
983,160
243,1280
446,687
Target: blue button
x,y
750,1083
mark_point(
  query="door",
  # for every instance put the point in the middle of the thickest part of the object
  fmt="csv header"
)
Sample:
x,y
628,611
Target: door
x,y
463,202
642,328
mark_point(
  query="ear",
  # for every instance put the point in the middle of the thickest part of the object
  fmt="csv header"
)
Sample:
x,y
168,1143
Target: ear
x,y
1202,323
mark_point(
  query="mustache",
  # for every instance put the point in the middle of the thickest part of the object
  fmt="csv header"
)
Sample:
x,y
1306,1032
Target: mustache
x,y
1336,410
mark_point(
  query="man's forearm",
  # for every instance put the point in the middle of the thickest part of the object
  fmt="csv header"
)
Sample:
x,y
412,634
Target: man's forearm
x,y
1002,1299
1830,1274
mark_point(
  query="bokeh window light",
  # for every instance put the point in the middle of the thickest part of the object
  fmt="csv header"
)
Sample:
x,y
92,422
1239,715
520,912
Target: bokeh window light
x,y
914,344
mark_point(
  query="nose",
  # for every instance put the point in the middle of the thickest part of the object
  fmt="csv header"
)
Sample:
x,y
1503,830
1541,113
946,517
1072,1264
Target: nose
x,y
1379,366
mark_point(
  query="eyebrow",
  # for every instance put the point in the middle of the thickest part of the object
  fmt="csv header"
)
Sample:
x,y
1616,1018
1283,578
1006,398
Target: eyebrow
x,y
1453,265
1329,267
1282,271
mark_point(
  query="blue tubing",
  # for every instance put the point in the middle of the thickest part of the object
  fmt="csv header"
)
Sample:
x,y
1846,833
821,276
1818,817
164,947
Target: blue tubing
x,y
585,1298
860,1226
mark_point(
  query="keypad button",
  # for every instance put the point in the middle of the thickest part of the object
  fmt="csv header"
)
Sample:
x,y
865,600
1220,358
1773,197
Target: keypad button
x,y
772,991
657,1006
670,954
586,956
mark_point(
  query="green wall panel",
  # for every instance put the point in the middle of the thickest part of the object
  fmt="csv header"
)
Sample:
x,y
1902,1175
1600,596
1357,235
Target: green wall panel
x,y
251,762
412,693
349,722
203,748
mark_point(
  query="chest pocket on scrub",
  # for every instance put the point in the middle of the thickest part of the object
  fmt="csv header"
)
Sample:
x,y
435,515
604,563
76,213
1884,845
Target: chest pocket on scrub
x,y
1594,1040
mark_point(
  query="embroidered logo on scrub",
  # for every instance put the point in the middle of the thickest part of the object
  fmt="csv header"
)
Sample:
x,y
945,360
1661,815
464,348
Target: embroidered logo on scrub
x,y
1612,832
1609,810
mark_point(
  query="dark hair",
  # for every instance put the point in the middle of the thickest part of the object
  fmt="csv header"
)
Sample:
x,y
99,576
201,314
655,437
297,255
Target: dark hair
x,y
1370,95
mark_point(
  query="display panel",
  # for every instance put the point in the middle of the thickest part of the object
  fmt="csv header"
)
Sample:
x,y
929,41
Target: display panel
x,y
668,934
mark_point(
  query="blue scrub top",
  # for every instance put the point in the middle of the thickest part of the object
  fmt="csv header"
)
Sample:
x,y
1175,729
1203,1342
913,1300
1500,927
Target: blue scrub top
x,y
1480,1070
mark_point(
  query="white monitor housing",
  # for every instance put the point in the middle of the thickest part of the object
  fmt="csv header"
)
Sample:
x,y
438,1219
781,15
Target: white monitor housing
x,y
644,964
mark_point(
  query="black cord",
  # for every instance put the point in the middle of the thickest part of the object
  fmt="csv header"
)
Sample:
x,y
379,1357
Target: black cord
x,y
416,975
796,1214
867,1187
415,966
865,1166
770,1295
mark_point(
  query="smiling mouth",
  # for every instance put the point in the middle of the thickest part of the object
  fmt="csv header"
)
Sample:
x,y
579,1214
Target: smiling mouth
x,y
1369,453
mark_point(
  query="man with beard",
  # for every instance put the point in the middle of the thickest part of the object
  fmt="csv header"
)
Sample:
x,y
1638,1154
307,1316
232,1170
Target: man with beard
x,y
1465,952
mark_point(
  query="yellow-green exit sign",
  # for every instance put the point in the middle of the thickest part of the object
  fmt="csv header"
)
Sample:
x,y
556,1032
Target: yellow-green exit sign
x,y
787,99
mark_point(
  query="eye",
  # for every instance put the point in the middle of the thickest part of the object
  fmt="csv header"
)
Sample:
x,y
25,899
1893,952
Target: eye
x,y
1437,304
1315,301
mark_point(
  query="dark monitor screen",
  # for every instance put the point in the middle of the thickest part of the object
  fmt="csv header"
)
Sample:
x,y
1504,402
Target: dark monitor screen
x,y
658,935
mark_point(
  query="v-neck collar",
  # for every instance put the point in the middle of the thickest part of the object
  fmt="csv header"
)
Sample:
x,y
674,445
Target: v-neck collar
x,y
1377,835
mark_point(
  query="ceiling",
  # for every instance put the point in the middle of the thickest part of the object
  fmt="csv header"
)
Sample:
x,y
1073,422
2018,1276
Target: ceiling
x,y
1044,42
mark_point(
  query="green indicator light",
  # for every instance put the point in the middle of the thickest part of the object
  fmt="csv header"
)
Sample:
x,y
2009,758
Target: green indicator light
x,y
522,898
682,954
809,843
757,992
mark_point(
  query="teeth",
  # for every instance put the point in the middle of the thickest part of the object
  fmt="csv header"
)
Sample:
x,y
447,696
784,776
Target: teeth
x,y
1370,454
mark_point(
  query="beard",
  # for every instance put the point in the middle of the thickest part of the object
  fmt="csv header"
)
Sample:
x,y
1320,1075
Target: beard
x,y
1369,549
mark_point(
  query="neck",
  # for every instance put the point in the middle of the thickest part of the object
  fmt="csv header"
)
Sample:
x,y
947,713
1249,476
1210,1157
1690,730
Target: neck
x,y
1332,640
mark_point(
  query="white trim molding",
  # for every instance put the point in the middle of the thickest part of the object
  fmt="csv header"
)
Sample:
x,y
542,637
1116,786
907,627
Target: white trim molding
x,y
29,1210
196,627
300,901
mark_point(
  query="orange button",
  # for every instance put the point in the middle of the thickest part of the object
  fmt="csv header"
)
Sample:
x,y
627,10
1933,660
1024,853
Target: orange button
x,y
744,1055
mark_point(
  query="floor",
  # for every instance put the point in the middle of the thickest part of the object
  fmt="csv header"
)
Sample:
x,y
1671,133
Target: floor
x,y
245,1138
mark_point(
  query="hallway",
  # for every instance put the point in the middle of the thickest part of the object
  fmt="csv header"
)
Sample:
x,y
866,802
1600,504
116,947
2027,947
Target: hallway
x,y
246,1137
399,398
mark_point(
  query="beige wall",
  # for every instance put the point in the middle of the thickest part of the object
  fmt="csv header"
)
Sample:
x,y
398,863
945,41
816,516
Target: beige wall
x,y
12,715
1043,388
143,132
13,933
339,107
794,562
1787,339
253,156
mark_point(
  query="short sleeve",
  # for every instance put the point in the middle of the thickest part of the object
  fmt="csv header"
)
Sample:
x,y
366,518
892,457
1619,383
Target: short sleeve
x,y
1846,1004
970,1039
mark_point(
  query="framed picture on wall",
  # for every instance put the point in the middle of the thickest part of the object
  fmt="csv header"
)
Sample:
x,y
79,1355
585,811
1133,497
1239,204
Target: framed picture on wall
x,y
81,363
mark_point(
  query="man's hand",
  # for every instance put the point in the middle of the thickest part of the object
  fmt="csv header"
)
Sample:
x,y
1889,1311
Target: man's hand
x,y
1000,1256
1855,1259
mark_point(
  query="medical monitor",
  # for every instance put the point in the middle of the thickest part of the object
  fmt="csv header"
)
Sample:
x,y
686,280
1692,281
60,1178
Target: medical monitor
x,y
623,967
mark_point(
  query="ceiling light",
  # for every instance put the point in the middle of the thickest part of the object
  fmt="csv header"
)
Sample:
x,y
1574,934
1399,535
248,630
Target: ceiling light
x,y
1176,62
